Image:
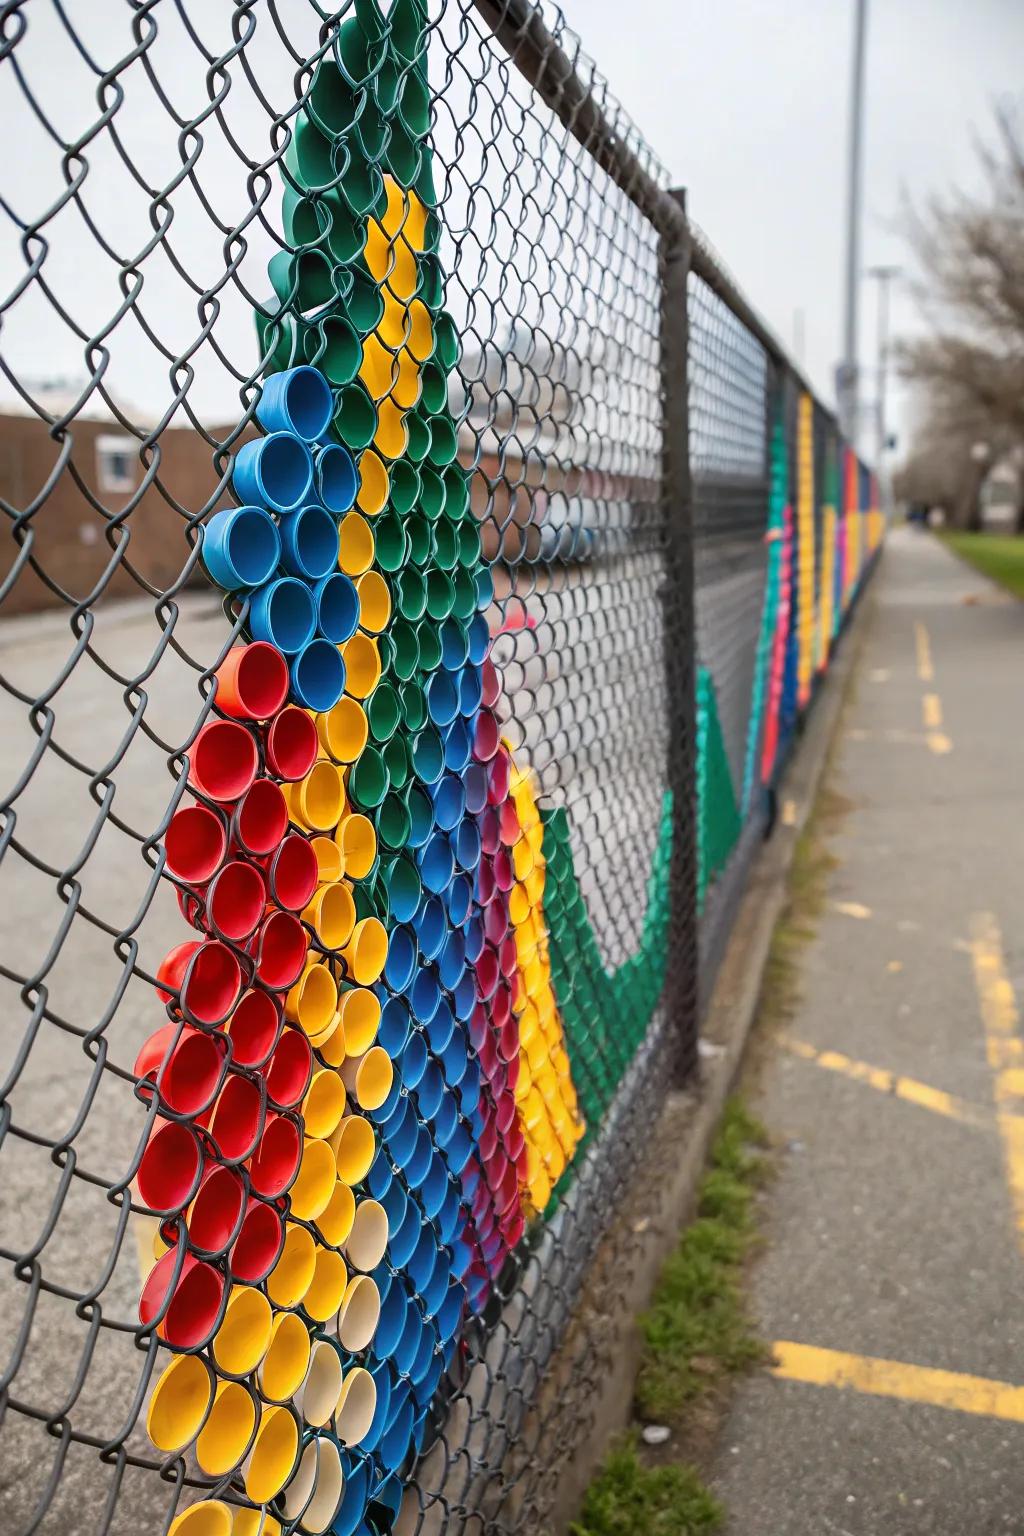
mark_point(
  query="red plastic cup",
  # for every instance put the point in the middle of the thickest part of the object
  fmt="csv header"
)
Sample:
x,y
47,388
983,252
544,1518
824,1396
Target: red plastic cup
x,y
487,972
289,1070
507,957
490,832
185,1064
224,760
280,948
509,829
504,874
252,682
216,1212
259,1241
487,737
171,970
291,743
170,1167
276,1160
514,1224
490,683
194,1300
260,819
495,921
485,886
499,776
253,1028
235,1123
293,873
211,984
235,901
195,843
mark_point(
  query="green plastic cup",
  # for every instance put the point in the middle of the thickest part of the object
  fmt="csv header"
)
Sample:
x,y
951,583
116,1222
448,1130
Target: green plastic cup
x,y
414,706
440,600
398,761
446,341
430,646
427,755
390,544
361,183
405,486
355,417
431,283
444,440
368,780
279,337
435,389
302,280
412,593
305,220
431,493
414,107
456,492
384,712
310,155
420,536
393,820
426,191
407,20
360,45
339,352
465,603
446,546
331,103
469,544
346,236
406,650
402,156
418,431
364,302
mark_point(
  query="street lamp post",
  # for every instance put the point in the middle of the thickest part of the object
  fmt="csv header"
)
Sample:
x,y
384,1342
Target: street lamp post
x,y
846,373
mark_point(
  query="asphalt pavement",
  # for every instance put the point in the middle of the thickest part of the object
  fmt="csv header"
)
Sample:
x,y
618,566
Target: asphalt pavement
x,y
891,1279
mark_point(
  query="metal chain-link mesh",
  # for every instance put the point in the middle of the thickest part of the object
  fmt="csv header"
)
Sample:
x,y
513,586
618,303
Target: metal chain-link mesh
x,y
352,809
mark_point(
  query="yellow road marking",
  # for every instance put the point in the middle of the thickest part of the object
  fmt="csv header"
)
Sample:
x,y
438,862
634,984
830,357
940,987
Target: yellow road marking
x,y
894,966
925,670
883,1081
894,1378
1005,1051
789,813
855,909
939,743
931,711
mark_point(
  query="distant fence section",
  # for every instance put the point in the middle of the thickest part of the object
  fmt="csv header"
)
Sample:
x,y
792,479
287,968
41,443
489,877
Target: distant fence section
x,y
421,559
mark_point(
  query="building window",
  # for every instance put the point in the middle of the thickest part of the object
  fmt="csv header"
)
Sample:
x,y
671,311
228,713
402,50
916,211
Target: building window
x,y
116,462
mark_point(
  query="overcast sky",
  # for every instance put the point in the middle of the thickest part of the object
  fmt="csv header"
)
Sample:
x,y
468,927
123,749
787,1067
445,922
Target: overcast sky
x,y
746,102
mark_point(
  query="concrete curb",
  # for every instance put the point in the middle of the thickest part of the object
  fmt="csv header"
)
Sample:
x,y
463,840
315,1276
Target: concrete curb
x,y
681,1140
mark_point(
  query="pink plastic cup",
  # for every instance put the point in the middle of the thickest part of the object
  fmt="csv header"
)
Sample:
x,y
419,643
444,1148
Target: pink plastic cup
x,y
224,760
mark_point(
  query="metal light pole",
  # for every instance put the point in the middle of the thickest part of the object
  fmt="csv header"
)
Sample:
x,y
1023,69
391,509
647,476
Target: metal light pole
x,y
846,373
884,277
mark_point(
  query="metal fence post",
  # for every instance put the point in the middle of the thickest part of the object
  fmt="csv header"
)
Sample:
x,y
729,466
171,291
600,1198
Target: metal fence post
x,y
681,980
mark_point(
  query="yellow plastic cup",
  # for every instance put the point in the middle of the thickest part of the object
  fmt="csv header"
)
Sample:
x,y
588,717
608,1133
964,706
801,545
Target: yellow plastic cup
x,y
335,1221
362,666
356,1406
360,1311
332,916
317,1397
331,1044
254,1522
360,1019
358,842
314,1182
313,1001
210,1517
269,1464
369,1236
392,436
324,1103
179,1403
405,216
420,340
355,545
366,951
330,1278
405,391
287,1360
318,800
354,1148
369,1077
329,863
228,1431
374,602
390,260
343,730
243,1338
373,484
290,1278
379,368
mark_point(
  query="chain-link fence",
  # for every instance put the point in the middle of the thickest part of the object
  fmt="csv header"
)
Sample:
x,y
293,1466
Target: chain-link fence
x,y
420,561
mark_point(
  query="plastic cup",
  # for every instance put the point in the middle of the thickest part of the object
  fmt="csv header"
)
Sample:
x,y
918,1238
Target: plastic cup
x,y
195,843
276,1159
252,681
400,966
235,1123
179,1403
241,548
209,1517
186,1065
312,1001
287,1358
428,756
335,476
289,1070
341,351
368,780
293,872
243,1337
328,860
337,607
190,1304
436,863
314,1183
253,1522
372,494
297,401
354,1147
324,1104
292,1275
332,915
170,1167
356,1406
360,1011
374,602
384,711
299,1492
393,821
355,545
274,471
343,730
335,1220
366,951
369,1236
318,801
235,901
291,744
359,1312
228,1430
309,542
318,675
327,1289
370,1077
355,419
283,614
362,665
223,760
269,1464
280,948
260,819
215,1215
358,842
258,1244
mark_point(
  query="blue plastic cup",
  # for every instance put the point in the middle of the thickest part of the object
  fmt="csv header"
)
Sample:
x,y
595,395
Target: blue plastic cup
x,y
454,645
436,1289
434,1187
421,816
337,607
394,1308
417,1165
284,614
442,695
395,1203
400,965
318,676
336,480
384,1111
423,1358
299,401
451,963
380,1177
424,1387
402,1245
354,1498
389,1493
309,542
424,996
430,1091
479,638
471,690
395,1023
403,887
421,1266
431,926
455,1058
404,1352
445,1121
475,781
441,1026
474,939
449,797
412,1065
459,899
382,1381
449,1216
459,1149
427,755
396,1440
467,844
274,471
436,863
400,1135
458,746
241,548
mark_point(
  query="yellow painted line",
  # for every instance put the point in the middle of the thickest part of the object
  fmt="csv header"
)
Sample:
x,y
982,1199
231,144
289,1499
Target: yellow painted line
x,y
909,1089
855,909
1004,1049
925,670
789,813
931,711
894,1378
939,743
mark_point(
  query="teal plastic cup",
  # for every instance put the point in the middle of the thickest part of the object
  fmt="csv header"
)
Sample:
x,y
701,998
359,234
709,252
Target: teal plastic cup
x,y
431,283
339,353
454,645
444,441
364,301
402,156
355,416
428,755
418,445
310,154
331,103
414,706
420,536
406,655
431,493
280,337
383,712
393,821
430,645
414,108
435,389
302,280
469,544
398,761
390,543
404,888
440,596
411,593
421,816
368,780
466,600
446,545
405,486
456,492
